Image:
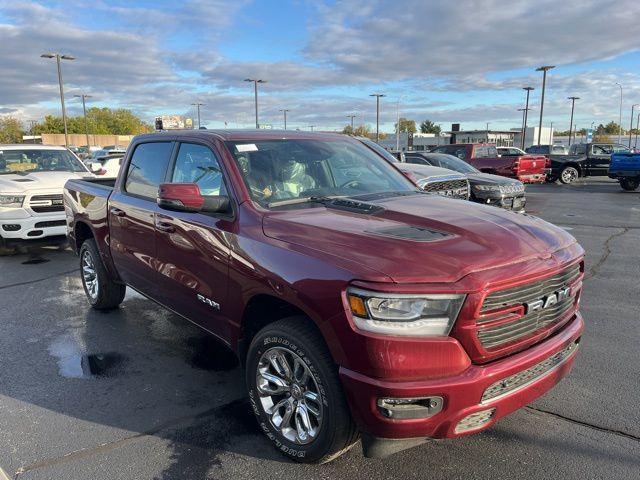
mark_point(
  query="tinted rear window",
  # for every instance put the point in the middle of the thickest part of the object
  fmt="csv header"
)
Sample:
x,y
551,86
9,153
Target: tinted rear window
x,y
147,168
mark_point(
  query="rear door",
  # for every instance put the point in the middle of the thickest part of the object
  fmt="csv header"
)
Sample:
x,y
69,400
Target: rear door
x,y
193,248
131,212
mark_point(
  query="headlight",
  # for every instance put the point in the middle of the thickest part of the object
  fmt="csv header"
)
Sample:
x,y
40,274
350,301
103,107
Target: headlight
x,y
487,188
406,315
11,201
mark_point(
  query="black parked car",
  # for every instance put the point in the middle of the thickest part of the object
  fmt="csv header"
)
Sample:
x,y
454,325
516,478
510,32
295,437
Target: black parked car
x,y
489,189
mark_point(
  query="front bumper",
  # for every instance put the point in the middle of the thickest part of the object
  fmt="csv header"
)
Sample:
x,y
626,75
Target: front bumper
x,y
516,203
19,225
462,395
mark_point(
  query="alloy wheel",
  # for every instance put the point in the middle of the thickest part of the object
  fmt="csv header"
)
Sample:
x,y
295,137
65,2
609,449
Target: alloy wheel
x,y
89,275
569,175
289,395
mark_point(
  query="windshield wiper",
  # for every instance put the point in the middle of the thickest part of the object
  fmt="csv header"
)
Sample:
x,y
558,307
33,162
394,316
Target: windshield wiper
x,y
295,201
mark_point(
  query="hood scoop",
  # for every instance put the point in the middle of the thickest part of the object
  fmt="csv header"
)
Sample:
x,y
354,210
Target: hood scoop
x,y
22,180
409,232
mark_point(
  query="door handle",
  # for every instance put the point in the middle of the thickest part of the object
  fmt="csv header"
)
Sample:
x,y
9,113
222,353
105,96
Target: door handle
x,y
116,212
165,227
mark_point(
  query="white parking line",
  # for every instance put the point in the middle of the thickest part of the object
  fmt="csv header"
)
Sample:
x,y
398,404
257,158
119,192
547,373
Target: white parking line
x,y
3,475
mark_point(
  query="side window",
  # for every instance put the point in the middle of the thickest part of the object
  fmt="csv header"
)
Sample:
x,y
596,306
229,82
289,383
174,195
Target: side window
x,y
621,149
601,149
147,168
197,164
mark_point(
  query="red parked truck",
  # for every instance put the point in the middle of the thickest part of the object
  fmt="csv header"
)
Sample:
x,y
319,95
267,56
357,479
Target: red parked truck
x,y
358,304
485,157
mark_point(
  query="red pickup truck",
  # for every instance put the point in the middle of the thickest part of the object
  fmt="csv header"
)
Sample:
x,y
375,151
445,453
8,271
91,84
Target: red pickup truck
x,y
358,304
485,157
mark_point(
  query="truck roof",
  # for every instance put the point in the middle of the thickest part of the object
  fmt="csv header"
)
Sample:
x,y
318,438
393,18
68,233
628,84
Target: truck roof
x,y
248,134
30,146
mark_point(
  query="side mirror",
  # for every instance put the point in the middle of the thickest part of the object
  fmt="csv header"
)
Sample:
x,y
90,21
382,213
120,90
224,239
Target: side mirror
x,y
95,167
186,197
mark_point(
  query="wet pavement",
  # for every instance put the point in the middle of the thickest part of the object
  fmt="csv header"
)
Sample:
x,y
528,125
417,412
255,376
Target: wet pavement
x,y
139,393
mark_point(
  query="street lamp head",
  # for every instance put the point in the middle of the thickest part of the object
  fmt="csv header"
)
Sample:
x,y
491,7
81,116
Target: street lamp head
x,y
261,81
377,95
67,57
544,68
528,88
573,98
47,55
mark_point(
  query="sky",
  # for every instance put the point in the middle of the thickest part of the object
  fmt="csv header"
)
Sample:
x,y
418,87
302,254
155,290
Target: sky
x,y
462,61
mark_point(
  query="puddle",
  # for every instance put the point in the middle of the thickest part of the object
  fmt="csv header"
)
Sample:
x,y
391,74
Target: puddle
x,y
74,363
208,354
35,261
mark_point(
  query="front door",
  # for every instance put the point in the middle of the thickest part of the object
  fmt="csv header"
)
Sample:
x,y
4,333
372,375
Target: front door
x,y
599,158
193,248
132,211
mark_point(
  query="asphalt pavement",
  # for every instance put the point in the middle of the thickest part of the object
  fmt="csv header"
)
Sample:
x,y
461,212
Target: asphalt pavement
x,y
139,393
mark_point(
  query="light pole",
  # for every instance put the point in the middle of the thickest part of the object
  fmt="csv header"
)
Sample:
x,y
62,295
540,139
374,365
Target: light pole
x,y
255,81
84,111
526,114
351,117
59,57
620,117
544,69
312,127
198,105
378,96
635,144
631,124
487,131
573,103
523,129
284,112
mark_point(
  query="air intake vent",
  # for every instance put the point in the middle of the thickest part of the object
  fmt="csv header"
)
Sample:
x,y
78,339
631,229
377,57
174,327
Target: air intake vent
x,y
409,232
354,206
22,180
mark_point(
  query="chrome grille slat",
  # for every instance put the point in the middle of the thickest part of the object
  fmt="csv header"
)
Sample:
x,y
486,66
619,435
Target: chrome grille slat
x,y
440,186
519,327
45,203
526,292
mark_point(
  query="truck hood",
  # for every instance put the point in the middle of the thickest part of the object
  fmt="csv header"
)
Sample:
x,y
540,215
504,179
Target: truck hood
x,y
35,181
420,238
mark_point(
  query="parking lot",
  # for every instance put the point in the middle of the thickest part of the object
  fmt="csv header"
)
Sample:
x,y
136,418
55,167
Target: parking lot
x,y
140,393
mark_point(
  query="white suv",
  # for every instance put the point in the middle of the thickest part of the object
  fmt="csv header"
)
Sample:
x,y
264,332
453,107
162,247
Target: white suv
x,y
31,182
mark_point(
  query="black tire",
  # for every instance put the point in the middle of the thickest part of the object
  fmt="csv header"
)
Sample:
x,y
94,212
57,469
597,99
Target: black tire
x,y
337,431
569,174
107,294
629,184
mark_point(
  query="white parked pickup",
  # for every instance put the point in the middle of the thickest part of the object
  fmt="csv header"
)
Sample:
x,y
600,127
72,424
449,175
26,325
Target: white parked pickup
x,y
31,181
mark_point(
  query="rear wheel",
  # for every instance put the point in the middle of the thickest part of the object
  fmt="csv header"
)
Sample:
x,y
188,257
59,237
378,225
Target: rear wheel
x,y
629,184
102,292
569,174
296,394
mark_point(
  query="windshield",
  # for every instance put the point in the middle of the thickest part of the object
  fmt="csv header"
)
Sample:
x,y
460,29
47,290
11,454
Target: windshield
x,y
454,163
15,161
279,170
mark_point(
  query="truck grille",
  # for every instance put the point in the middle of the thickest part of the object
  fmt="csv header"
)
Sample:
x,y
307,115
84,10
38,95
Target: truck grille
x,y
449,188
528,322
46,203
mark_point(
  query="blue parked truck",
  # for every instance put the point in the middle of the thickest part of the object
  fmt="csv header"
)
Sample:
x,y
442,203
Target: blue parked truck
x,y
625,167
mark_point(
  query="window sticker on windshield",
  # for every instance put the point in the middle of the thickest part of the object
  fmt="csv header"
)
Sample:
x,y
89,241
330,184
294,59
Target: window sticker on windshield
x,y
247,147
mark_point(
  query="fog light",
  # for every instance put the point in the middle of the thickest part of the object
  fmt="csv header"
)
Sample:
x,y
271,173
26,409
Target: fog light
x,y
475,420
407,408
11,227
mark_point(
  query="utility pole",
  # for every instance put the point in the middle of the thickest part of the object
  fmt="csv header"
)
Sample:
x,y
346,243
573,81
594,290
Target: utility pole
x,y
523,129
255,81
198,105
487,131
312,127
620,117
378,96
544,69
573,103
284,111
526,114
631,125
398,125
59,57
351,117
635,144
84,111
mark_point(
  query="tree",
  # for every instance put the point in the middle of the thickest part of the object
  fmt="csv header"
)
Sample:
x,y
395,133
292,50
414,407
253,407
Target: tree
x,y
406,125
612,128
10,130
429,127
348,130
100,121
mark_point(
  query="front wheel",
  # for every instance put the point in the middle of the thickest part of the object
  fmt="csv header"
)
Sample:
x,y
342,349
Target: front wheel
x,y
569,175
296,394
629,184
